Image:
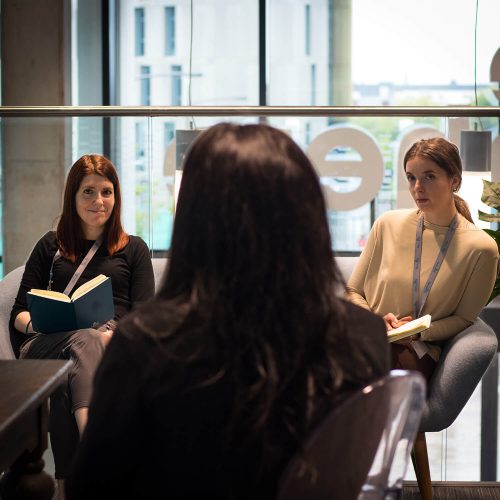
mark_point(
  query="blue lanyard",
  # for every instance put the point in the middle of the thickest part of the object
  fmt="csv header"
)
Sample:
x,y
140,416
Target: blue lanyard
x,y
418,302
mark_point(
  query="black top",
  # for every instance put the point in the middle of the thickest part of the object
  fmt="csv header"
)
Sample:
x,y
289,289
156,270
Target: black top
x,y
130,270
147,437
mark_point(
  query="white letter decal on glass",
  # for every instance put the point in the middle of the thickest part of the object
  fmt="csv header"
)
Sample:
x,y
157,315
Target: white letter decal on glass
x,y
349,180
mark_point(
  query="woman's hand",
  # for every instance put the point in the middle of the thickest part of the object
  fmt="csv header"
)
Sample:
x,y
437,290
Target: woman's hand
x,y
406,340
392,321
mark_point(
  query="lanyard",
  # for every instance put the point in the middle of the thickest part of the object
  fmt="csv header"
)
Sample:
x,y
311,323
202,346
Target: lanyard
x,y
418,302
80,269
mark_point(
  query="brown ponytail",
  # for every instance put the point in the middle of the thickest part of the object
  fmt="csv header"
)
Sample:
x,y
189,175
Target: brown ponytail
x,y
462,207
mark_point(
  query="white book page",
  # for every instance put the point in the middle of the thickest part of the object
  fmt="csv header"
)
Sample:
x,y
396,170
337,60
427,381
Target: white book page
x,y
410,328
50,294
86,287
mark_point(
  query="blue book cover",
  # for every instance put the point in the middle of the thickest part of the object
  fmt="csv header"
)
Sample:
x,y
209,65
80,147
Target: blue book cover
x,y
90,305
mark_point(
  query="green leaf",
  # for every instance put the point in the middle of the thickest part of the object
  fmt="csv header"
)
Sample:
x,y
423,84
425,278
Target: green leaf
x,y
488,217
491,194
491,197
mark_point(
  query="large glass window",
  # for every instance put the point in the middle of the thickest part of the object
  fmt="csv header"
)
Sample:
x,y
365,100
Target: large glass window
x,y
374,53
200,54
319,52
220,66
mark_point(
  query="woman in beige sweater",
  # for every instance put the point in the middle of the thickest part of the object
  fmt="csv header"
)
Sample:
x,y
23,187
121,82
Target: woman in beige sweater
x,y
432,260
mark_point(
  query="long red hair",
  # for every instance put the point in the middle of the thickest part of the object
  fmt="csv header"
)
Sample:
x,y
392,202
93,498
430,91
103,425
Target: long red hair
x,y
69,231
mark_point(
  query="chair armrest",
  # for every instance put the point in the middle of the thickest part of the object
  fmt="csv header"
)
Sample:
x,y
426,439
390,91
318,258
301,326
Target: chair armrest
x,y
9,286
464,360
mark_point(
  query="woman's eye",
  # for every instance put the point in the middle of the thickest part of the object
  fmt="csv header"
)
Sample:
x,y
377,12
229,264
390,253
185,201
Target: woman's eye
x,y
108,192
87,191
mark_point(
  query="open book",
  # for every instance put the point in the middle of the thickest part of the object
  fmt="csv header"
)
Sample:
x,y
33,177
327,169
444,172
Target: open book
x,y
90,304
410,328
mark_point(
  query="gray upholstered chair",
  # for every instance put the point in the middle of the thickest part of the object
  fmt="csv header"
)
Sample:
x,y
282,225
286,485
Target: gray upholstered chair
x,y
464,360
159,266
8,291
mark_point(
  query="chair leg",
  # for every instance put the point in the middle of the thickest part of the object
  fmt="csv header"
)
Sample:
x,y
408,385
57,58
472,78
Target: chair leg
x,y
421,465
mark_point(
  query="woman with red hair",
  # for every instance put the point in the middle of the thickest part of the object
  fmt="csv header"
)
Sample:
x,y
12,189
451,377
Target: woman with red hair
x,y
89,225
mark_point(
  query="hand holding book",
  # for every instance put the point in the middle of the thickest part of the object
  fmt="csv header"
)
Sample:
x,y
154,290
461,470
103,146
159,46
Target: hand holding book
x,y
89,305
411,328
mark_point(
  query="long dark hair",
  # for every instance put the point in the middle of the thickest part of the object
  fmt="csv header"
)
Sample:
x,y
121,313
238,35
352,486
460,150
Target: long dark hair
x,y
252,269
69,232
446,156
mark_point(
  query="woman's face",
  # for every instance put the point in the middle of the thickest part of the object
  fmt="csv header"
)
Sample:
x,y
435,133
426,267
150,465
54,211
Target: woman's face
x,y
95,200
430,186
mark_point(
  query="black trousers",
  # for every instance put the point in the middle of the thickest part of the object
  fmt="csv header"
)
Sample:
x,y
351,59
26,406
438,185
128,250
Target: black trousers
x,y
85,348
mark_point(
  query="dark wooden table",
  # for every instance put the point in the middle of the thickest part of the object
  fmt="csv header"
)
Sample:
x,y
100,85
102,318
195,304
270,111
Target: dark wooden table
x,y
25,387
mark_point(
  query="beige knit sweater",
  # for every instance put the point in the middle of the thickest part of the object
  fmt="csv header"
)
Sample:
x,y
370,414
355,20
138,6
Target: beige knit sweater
x,y
383,275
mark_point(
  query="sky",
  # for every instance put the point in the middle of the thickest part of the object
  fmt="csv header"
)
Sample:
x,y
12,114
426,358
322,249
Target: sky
x,y
423,41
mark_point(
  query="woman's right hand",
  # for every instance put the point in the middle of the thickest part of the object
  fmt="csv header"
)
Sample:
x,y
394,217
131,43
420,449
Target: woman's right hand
x,y
392,321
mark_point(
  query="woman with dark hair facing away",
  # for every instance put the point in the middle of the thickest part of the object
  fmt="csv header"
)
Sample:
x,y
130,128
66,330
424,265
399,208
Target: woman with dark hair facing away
x,y
432,260
207,391
89,222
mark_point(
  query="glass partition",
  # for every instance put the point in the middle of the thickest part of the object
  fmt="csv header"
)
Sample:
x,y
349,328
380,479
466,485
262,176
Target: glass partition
x,y
372,146
358,159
